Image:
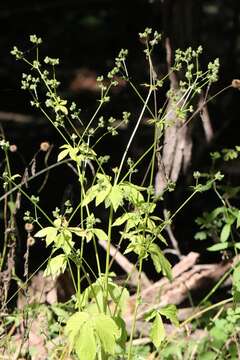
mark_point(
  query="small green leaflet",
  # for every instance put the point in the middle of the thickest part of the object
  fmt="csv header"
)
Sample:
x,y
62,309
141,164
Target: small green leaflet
x,y
170,312
225,232
116,197
238,219
100,234
200,235
56,266
90,195
78,153
122,219
159,261
64,241
49,232
62,154
88,233
157,332
132,192
218,247
236,283
102,194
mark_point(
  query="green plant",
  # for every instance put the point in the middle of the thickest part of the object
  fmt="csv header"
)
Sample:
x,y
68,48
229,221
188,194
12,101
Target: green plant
x,y
221,224
96,329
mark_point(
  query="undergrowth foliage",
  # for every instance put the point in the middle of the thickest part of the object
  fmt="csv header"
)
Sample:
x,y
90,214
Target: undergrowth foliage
x,y
96,328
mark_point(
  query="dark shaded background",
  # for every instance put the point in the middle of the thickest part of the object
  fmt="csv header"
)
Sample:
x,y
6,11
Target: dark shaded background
x,y
86,35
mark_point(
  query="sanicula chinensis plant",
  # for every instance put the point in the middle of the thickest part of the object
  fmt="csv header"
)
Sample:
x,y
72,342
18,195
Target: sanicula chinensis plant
x,y
97,329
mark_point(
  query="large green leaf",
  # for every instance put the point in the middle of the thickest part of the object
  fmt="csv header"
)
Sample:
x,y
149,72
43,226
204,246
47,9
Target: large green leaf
x,y
81,337
85,344
107,331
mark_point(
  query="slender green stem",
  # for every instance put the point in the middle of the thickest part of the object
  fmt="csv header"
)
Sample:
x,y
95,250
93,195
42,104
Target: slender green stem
x,y
108,256
50,167
133,135
78,287
219,283
203,311
138,294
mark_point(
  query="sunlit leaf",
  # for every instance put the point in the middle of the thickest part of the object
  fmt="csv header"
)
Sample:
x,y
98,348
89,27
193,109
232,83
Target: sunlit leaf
x,y
56,266
62,154
101,195
116,197
238,219
121,219
49,232
85,344
219,246
107,332
100,234
170,312
90,195
74,325
225,232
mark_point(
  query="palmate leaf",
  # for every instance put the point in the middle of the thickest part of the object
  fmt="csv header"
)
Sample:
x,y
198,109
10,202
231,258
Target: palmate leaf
x,y
81,336
74,325
85,330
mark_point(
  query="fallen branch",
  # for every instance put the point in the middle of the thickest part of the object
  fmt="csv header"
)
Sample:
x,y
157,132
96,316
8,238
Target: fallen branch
x,y
186,279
